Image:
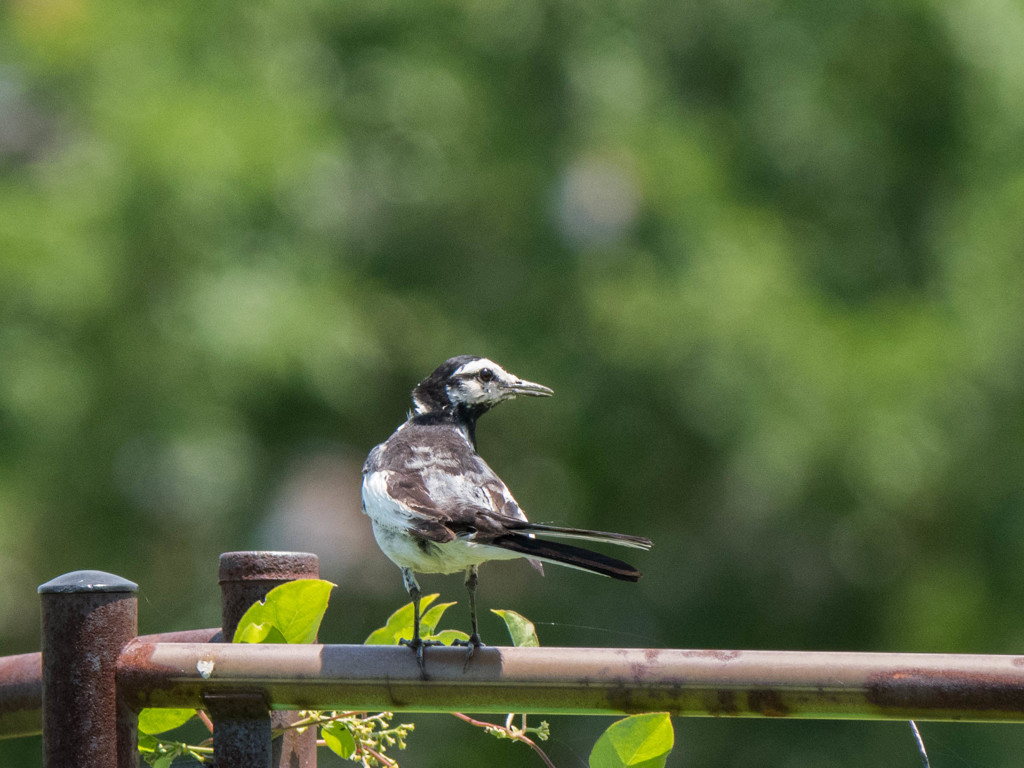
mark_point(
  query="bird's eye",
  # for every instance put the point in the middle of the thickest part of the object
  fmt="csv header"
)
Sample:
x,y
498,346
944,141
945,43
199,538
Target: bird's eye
x,y
485,375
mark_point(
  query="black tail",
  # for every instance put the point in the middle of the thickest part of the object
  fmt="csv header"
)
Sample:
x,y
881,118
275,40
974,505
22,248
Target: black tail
x,y
584,534
567,554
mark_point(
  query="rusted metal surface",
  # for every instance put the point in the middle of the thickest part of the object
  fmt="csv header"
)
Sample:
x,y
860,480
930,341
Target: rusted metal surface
x,y
184,636
586,681
246,577
93,676
242,729
21,694
21,683
87,618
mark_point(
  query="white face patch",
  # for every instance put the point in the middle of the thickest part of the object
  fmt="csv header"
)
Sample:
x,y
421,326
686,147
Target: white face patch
x,y
471,389
474,367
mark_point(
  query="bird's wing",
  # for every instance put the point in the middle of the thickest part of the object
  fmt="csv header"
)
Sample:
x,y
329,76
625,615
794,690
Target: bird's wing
x,y
433,484
394,500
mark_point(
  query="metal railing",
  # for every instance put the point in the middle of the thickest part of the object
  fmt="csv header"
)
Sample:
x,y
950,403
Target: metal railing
x,y
85,689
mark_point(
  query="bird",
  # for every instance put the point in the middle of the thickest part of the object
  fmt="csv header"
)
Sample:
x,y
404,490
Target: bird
x,y
436,507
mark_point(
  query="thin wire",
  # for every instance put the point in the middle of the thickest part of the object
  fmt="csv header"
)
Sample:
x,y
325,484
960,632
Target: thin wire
x,y
605,630
920,744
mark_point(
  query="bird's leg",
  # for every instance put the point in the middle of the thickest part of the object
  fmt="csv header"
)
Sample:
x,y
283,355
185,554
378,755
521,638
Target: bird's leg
x,y
474,641
472,579
417,643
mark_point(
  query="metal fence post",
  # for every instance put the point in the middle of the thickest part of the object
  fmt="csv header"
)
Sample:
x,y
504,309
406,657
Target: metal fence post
x,y
87,618
241,730
246,577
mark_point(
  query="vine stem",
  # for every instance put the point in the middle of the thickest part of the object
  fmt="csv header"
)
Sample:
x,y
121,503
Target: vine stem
x,y
383,759
317,719
206,719
512,733
377,755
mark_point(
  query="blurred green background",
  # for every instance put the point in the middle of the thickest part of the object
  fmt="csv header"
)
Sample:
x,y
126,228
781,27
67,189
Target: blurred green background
x,y
770,256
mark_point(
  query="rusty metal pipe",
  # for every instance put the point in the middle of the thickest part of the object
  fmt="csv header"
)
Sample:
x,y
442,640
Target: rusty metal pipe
x,y
21,695
585,681
21,683
246,577
241,730
87,618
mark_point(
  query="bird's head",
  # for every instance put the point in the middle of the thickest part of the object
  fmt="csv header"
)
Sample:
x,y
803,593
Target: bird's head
x,y
470,383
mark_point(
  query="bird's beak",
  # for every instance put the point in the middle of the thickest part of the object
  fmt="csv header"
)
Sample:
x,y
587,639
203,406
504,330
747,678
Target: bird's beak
x,y
520,387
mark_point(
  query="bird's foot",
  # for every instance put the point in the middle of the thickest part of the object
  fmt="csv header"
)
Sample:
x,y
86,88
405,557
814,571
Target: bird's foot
x,y
417,644
471,644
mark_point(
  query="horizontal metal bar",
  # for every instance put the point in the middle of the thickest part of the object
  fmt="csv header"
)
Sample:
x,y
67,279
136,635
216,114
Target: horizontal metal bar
x,y
21,695
583,681
21,684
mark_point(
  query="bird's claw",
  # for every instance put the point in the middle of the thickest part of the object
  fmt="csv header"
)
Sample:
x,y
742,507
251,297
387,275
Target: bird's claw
x,y
471,644
417,644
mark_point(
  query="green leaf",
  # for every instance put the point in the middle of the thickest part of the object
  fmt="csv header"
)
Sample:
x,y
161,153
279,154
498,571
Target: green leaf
x,y
164,761
430,619
524,634
252,633
448,636
147,743
259,633
294,609
152,720
339,739
399,624
640,741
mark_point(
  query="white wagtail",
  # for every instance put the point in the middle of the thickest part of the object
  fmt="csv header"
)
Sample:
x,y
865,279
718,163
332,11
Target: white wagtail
x,y
437,507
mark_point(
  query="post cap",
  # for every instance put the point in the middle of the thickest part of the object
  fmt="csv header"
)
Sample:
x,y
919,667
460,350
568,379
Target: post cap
x,y
87,581
268,566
